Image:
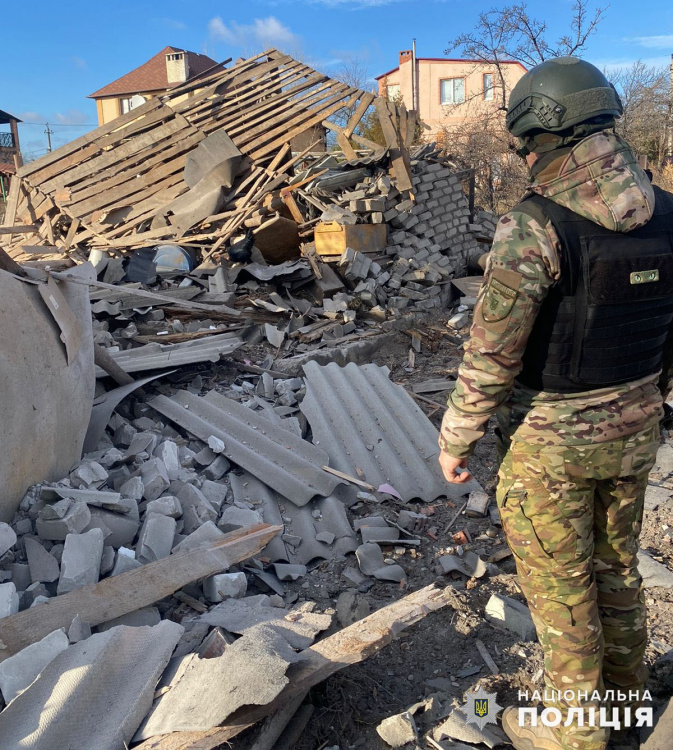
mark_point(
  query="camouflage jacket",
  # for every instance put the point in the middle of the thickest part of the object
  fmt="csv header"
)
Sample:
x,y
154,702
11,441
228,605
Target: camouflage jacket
x,y
600,179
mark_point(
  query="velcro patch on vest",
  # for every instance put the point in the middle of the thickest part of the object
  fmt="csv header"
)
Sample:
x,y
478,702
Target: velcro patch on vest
x,y
499,297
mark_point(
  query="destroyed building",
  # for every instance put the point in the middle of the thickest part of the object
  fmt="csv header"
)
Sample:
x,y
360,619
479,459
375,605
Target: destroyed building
x,y
217,493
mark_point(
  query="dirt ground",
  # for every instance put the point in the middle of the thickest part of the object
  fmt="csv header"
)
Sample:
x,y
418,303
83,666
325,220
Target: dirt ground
x,y
442,647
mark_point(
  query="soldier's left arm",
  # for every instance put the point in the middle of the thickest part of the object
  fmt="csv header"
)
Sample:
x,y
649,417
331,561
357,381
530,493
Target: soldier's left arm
x,y
522,266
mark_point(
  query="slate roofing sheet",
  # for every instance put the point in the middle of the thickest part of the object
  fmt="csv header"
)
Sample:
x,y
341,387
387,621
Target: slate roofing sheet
x,y
364,421
298,521
285,462
155,356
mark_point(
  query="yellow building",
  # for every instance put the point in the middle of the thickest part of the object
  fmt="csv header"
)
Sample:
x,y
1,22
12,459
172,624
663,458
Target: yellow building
x,y
448,92
170,67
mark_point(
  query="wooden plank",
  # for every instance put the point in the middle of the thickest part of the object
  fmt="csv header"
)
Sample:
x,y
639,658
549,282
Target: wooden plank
x,y
345,146
12,202
127,592
74,147
365,104
152,296
21,229
364,142
72,231
319,662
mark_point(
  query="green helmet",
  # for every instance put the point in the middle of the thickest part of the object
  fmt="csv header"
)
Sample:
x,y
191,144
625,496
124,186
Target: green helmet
x,y
558,94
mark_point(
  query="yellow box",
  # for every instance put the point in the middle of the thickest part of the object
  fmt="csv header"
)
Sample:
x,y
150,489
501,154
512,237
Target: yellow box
x,y
332,238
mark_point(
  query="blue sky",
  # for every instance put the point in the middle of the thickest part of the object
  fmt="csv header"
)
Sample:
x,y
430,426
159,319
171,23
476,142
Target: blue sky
x,y
56,53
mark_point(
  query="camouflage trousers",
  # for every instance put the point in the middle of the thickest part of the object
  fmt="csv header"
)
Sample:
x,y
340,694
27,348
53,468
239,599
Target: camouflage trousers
x,y
572,516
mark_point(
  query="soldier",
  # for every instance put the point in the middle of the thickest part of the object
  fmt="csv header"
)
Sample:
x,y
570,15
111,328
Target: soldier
x,y
567,348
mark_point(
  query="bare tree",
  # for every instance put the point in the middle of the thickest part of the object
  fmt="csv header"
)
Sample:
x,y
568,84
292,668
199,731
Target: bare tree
x,y
511,33
645,92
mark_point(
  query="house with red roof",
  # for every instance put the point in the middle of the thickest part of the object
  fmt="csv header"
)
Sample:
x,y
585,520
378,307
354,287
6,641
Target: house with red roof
x,y
169,68
448,92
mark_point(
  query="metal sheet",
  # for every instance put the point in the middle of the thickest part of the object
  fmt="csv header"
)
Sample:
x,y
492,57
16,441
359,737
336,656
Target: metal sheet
x,y
298,521
283,461
365,422
156,356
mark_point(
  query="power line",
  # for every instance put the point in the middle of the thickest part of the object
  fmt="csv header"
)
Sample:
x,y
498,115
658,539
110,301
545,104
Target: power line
x,y
60,125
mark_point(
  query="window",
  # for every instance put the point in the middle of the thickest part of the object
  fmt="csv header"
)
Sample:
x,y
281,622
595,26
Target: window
x,y
176,56
393,91
488,87
125,105
452,91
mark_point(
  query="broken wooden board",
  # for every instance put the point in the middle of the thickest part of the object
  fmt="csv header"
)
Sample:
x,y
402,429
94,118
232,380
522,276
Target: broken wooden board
x,y
349,646
127,592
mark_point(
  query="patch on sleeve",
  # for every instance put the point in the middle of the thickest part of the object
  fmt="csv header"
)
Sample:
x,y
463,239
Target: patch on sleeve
x,y
501,294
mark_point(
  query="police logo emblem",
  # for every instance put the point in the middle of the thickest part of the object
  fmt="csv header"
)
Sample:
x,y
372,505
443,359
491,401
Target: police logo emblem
x,y
481,708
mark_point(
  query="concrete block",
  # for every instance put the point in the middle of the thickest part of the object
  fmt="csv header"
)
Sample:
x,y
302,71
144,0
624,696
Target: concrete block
x,y
7,538
217,469
143,442
43,565
24,526
168,453
155,478
167,505
202,537
78,630
225,586
22,669
458,321
88,474
21,576
215,493
80,565
156,537
120,529
107,560
215,444
234,518
196,509
75,520
508,613
9,600
125,560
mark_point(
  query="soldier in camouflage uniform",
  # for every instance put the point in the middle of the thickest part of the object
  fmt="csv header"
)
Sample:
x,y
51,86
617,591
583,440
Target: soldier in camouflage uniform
x,y
566,349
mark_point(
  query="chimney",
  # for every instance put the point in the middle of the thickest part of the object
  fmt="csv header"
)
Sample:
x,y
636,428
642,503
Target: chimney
x,y
177,67
406,56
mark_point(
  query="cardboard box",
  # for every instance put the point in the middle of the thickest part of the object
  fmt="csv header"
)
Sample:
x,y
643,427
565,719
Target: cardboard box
x,y
332,238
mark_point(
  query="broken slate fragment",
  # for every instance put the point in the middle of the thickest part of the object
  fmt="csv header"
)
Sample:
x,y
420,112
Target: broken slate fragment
x,y
326,537
399,730
125,560
370,559
43,565
234,518
202,537
80,564
468,563
20,670
88,474
287,572
167,505
215,444
508,613
78,630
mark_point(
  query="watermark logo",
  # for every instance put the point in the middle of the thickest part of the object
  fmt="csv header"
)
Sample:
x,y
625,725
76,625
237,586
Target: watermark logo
x,y
481,708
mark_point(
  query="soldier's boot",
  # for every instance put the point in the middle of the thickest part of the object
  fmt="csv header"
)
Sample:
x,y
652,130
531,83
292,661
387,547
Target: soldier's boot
x,y
529,737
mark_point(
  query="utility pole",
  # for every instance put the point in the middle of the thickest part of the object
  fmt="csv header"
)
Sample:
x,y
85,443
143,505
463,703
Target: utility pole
x,y
49,133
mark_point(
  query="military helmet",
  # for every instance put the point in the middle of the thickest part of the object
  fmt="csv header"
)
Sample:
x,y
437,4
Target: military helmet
x,y
558,94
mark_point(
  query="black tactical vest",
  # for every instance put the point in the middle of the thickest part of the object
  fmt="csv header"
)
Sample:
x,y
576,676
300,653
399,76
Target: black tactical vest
x,y
606,320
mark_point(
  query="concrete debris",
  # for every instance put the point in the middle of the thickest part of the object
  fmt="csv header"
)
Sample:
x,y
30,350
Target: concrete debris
x,y
79,630
43,565
456,727
140,618
477,505
19,671
9,599
56,521
80,564
351,607
224,586
156,537
7,538
505,612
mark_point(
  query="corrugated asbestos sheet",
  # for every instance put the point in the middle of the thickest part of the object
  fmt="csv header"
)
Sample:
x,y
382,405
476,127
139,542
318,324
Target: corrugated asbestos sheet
x,y
280,459
366,422
298,521
156,356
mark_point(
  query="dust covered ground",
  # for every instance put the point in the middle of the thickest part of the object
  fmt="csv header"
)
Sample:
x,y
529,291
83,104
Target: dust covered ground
x,y
439,655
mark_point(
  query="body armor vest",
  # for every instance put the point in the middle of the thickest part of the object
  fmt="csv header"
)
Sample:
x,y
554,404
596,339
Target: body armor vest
x,y
606,321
